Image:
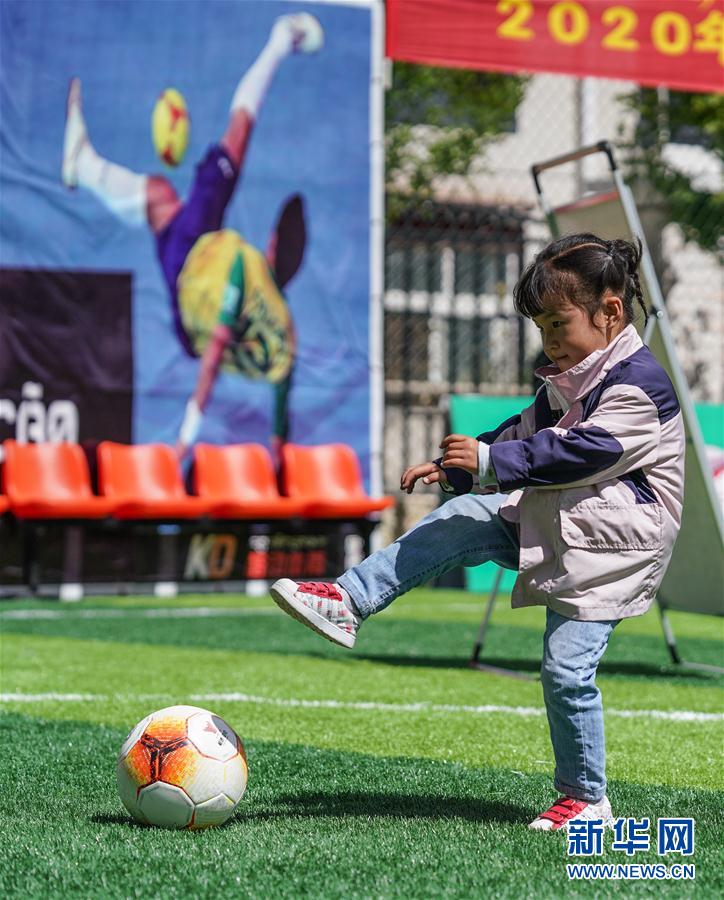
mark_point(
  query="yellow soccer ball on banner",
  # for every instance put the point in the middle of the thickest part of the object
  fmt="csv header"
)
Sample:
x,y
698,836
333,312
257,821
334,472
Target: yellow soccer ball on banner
x,y
170,127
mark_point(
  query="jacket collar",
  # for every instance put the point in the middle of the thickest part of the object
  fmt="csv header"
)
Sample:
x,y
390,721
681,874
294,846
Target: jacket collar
x,y
577,382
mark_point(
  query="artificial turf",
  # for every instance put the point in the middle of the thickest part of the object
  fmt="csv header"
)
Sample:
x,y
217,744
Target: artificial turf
x,y
403,789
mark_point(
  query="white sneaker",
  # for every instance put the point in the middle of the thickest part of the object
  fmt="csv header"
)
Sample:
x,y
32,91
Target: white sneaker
x,y
76,135
307,35
321,606
567,809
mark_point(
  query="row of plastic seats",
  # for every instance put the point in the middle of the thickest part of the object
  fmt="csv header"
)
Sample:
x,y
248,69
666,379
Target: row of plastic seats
x,y
145,481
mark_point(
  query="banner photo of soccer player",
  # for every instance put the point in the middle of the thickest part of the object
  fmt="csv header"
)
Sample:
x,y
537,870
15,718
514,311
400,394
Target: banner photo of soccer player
x,y
214,159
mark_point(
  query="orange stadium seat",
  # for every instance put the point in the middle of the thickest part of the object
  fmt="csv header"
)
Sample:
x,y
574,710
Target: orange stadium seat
x,y
144,481
329,478
240,481
51,481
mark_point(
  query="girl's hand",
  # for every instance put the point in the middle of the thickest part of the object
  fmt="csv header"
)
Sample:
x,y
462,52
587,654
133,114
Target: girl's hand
x,y
428,471
460,451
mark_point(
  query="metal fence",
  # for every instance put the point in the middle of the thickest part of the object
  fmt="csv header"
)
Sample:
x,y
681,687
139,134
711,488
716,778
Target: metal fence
x,y
452,261
449,323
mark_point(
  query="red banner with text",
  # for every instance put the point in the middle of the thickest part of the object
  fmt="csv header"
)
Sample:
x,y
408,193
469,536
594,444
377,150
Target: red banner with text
x,y
676,43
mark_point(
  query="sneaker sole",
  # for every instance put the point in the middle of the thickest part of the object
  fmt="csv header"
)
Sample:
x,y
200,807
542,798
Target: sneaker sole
x,y
282,593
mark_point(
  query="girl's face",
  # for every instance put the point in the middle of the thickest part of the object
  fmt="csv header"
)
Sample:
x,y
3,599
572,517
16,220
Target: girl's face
x,y
569,336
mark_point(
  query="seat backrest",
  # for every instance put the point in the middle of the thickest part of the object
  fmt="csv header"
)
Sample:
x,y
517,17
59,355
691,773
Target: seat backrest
x,y
47,471
328,471
139,472
234,472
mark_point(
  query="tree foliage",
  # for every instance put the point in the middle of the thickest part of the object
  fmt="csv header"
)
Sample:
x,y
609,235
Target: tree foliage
x,y
439,122
683,118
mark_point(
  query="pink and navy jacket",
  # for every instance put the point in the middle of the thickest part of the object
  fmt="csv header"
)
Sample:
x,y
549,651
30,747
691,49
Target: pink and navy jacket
x,y
594,469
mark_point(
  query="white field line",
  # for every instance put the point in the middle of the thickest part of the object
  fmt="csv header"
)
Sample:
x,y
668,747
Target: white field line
x,y
193,612
422,707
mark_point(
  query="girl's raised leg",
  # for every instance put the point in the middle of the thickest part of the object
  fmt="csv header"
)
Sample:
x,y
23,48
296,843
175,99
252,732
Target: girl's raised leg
x,y
466,531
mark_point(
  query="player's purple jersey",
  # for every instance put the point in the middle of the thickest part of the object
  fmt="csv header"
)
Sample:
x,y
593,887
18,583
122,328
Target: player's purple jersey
x,y
203,211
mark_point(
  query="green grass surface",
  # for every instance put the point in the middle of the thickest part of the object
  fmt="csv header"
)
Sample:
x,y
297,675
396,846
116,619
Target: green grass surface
x,y
404,788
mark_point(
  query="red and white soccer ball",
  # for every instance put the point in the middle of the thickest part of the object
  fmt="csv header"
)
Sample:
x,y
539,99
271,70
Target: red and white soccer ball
x,y
182,767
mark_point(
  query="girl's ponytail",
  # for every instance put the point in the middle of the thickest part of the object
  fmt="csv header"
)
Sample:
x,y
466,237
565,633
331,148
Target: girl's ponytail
x,y
638,293
627,255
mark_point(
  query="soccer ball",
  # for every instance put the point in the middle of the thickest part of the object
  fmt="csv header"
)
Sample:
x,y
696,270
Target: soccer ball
x,y
182,767
170,127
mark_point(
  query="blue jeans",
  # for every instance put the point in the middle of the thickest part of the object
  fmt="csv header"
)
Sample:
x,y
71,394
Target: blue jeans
x,y
571,653
467,531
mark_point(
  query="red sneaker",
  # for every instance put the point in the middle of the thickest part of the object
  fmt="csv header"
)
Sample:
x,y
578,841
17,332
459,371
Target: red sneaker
x,y
321,606
568,809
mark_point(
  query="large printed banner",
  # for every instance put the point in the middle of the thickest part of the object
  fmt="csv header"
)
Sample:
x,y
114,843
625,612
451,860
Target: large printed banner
x,y
184,244
678,43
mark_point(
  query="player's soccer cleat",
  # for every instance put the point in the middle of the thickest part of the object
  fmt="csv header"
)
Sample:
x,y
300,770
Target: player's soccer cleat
x,y
567,809
320,606
76,135
307,35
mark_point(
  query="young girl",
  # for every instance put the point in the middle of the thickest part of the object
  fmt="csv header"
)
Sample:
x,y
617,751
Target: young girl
x,y
582,494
